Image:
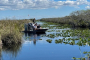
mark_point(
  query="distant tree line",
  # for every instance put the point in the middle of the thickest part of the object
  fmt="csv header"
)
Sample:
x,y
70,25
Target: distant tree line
x,y
79,18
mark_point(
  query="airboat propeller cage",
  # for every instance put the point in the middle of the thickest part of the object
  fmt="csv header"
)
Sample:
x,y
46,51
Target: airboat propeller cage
x,y
28,27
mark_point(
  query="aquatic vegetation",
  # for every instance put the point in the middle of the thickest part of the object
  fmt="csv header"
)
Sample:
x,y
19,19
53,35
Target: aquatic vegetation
x,y
50,30
80,37
58,41
65,42
58,31
79,43
85,52
40,39
45,25
65,35
51,35
74,58
77,39
58,34
69,39
82,58
88,39
49,40
72,43
88,55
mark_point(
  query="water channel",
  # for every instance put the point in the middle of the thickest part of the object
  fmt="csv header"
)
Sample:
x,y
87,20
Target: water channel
x,y
58,43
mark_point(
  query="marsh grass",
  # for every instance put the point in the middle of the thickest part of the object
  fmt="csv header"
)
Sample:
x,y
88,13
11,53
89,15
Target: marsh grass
x,y
10,31
79,18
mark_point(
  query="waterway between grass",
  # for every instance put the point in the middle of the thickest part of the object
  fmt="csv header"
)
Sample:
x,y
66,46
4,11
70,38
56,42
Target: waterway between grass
x,y
60,42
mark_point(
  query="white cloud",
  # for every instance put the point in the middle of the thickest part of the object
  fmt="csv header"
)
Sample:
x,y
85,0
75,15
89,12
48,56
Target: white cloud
x,y
2,9
88,7
38,4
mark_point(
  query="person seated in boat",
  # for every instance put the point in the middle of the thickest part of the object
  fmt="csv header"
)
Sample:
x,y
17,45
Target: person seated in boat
x,y
38,26
35,26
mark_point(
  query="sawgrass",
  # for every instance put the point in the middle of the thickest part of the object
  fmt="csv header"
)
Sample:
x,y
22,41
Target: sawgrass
x,y
10,31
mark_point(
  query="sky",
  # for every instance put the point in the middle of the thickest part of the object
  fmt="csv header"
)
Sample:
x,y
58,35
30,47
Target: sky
x,y
27,9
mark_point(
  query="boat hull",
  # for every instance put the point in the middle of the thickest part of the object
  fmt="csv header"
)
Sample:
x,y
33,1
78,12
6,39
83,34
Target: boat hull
x,y
36,31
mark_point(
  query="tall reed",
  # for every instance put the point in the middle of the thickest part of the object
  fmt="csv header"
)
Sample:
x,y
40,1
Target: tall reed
x,y
10,31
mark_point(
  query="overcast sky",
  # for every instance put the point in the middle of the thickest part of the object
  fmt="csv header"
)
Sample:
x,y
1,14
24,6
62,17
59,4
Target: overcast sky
x,y
24,9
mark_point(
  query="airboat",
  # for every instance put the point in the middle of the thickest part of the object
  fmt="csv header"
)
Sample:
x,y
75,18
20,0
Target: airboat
x,y
30,29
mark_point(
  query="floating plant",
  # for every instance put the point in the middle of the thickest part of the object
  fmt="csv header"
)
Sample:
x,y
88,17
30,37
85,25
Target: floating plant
x,y
85,52
59,41
65,42
82,58
79,43
51,35
72,43
49,40
74,58
40,39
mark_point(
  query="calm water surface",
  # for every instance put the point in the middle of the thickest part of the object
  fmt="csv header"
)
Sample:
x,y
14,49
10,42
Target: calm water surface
x,y
35,47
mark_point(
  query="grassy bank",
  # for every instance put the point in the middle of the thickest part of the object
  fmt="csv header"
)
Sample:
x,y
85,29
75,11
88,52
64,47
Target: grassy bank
x,y
10,31
75,19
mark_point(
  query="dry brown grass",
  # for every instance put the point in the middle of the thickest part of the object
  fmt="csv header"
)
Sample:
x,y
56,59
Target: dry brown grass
x,y
10,30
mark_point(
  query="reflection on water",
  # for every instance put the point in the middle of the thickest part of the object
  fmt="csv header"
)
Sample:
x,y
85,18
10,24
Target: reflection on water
x,y
32,37
13,50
